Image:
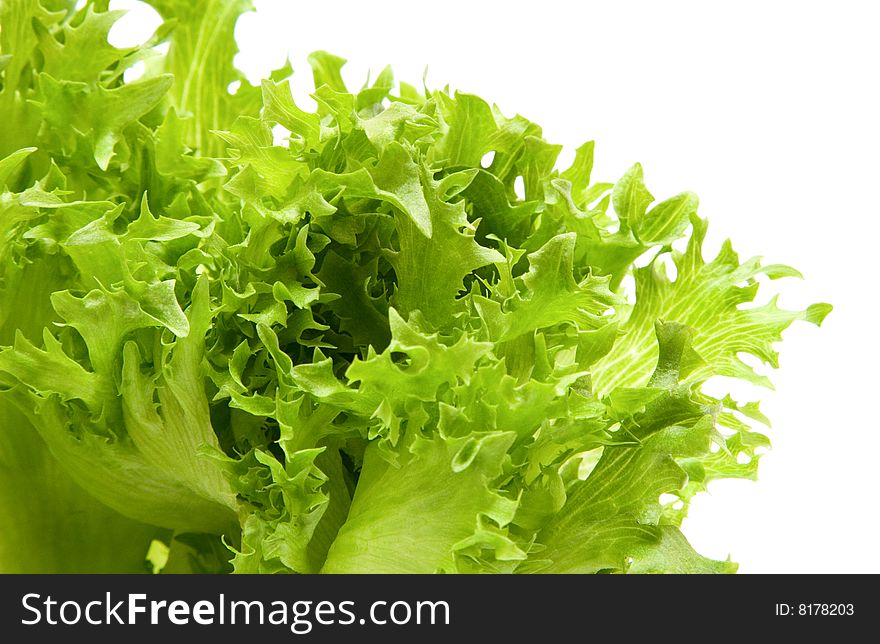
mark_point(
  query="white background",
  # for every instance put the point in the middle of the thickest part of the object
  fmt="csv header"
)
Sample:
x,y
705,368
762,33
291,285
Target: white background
x,y
769,112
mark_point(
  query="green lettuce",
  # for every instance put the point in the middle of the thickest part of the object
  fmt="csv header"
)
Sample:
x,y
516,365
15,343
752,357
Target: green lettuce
x,y
237,335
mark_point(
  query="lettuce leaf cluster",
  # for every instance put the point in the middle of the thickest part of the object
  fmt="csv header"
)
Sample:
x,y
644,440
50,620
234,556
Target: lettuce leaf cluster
x,y
238,335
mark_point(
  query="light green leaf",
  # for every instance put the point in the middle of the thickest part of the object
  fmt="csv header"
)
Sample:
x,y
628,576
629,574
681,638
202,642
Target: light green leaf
x,y
707,296
380,536
631,198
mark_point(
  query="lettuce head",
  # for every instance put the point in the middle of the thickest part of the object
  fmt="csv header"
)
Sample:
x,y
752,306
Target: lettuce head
x,y
389,335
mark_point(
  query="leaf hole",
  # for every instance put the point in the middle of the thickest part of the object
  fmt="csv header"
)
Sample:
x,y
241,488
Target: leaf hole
x,y
519,188
280,136
136,26
401,359
134,72
627,287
